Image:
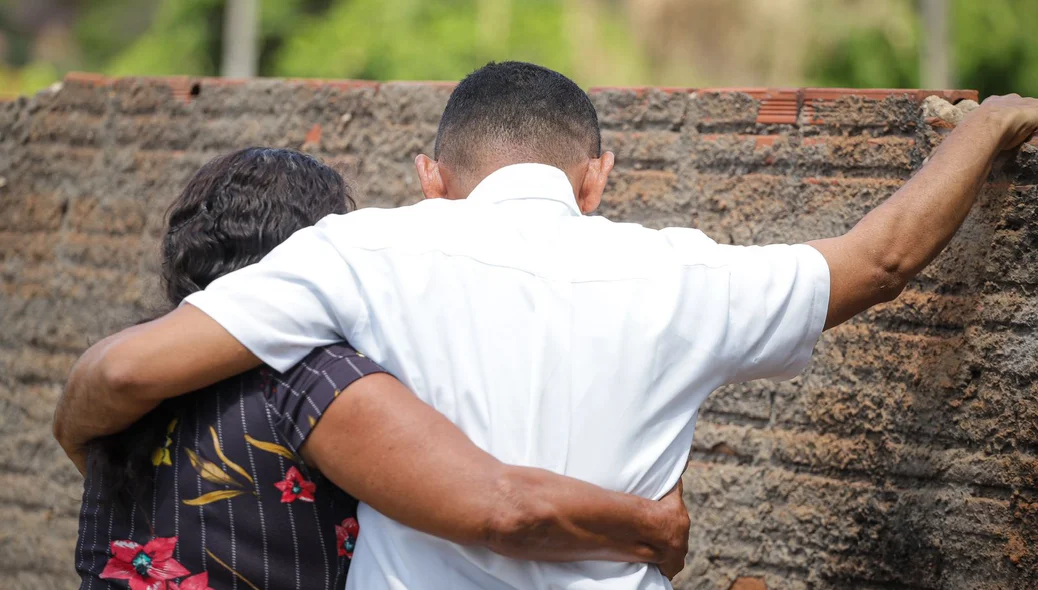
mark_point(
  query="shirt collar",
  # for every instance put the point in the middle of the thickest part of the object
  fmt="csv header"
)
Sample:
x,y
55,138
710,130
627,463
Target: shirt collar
x,y
526,182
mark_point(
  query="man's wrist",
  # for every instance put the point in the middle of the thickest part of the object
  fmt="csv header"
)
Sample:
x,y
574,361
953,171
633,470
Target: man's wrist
x,y
523,512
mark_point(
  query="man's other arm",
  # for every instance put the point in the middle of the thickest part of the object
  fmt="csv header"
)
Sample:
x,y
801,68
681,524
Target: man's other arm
x,y
275,311
123,377
874,261
376,440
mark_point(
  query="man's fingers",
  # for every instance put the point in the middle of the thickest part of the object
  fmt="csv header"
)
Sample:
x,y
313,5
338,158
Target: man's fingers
x,y
1016,115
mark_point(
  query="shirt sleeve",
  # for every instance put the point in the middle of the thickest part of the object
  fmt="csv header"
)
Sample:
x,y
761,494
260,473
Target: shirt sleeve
x,y
301,395
300,296
771,303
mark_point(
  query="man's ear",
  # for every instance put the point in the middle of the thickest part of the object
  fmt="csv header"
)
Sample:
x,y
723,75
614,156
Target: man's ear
x,y
429,175
595,180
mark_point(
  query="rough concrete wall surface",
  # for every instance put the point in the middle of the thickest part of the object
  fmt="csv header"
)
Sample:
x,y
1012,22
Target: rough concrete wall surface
x,y
905,457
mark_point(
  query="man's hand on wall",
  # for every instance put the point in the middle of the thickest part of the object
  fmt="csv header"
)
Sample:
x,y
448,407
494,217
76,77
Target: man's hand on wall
x,y
1016,116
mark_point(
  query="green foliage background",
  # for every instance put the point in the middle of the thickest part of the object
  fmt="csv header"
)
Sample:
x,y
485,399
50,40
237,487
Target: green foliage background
x,y
995,44
994,49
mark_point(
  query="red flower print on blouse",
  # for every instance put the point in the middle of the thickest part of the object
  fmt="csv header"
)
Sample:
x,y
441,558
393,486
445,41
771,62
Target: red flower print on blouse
x,y
346,537
195,582
294,487
147,567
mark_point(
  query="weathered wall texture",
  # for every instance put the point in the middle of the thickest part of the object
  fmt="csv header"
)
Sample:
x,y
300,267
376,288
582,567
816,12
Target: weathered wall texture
x,y
905,457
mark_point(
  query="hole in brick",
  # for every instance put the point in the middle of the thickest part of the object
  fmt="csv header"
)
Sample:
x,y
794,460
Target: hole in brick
x,y
196,89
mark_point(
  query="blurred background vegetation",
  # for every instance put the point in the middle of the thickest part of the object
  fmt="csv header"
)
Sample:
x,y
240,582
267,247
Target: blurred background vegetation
x,y
989,45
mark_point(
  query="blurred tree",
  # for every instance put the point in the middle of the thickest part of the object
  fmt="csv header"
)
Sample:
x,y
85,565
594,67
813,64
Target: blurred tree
x,y
107,27
994,46
934,62
240,43
724,42
444,40
857,43
865,45
183,39
368,39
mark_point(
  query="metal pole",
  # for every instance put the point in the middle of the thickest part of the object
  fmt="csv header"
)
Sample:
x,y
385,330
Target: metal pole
x,y
935,69
240,24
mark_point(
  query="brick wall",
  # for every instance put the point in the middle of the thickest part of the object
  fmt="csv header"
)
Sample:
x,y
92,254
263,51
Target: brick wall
x,y
905,457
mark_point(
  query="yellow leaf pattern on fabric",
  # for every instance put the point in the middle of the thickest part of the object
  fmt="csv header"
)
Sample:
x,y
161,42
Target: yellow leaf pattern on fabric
x,y
239,576
209,470
271,448
228,462
312,421
160,456
214,497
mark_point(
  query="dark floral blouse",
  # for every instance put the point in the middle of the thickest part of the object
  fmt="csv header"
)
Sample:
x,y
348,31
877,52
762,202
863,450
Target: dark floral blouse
x,y
234,506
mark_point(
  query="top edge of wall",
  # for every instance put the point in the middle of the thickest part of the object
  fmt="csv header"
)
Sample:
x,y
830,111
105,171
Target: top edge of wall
x,y
775,106
760,93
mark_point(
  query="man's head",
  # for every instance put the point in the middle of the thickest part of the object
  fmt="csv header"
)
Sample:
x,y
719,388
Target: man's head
x,y
513,113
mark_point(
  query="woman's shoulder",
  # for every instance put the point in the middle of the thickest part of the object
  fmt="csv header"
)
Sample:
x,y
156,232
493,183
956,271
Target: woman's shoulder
x,y
335,364
300,396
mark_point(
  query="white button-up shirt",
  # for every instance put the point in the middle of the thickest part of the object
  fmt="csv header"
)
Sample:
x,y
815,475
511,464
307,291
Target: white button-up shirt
x,y
552,339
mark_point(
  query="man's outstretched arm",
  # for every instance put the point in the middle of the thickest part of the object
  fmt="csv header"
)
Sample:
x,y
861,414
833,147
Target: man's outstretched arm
x,y
874,261
123,377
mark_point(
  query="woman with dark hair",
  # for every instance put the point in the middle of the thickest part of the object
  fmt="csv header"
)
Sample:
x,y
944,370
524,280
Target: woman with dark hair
x,y
240,485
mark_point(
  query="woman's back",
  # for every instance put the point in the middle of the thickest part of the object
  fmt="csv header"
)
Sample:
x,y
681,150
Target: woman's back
x,y
231,496
226,499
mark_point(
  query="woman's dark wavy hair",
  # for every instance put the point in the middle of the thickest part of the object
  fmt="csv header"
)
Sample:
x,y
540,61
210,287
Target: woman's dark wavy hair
x,y
233,211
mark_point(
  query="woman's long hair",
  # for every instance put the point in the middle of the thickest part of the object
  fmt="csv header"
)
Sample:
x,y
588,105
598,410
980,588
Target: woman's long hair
x,y
233,211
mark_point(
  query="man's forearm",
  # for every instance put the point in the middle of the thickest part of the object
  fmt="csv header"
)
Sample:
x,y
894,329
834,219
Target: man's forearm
x,y
562,519
377,439
94,403
123,377
918,221
874,261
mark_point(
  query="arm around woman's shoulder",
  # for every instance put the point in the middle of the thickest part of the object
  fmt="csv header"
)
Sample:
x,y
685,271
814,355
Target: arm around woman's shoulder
x,y
121,378
378,438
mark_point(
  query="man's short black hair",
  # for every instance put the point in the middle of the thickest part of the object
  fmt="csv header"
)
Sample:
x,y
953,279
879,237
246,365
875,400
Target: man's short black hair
x,y
517,112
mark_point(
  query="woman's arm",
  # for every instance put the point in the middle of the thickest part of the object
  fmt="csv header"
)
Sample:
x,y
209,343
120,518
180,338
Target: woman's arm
x,y
389,449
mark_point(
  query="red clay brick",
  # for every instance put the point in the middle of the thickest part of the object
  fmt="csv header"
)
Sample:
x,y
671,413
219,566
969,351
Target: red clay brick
x,y
31,212
109,216
749,584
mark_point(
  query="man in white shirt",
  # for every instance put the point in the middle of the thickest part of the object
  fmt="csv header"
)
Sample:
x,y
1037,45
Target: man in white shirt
x,y
552,339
